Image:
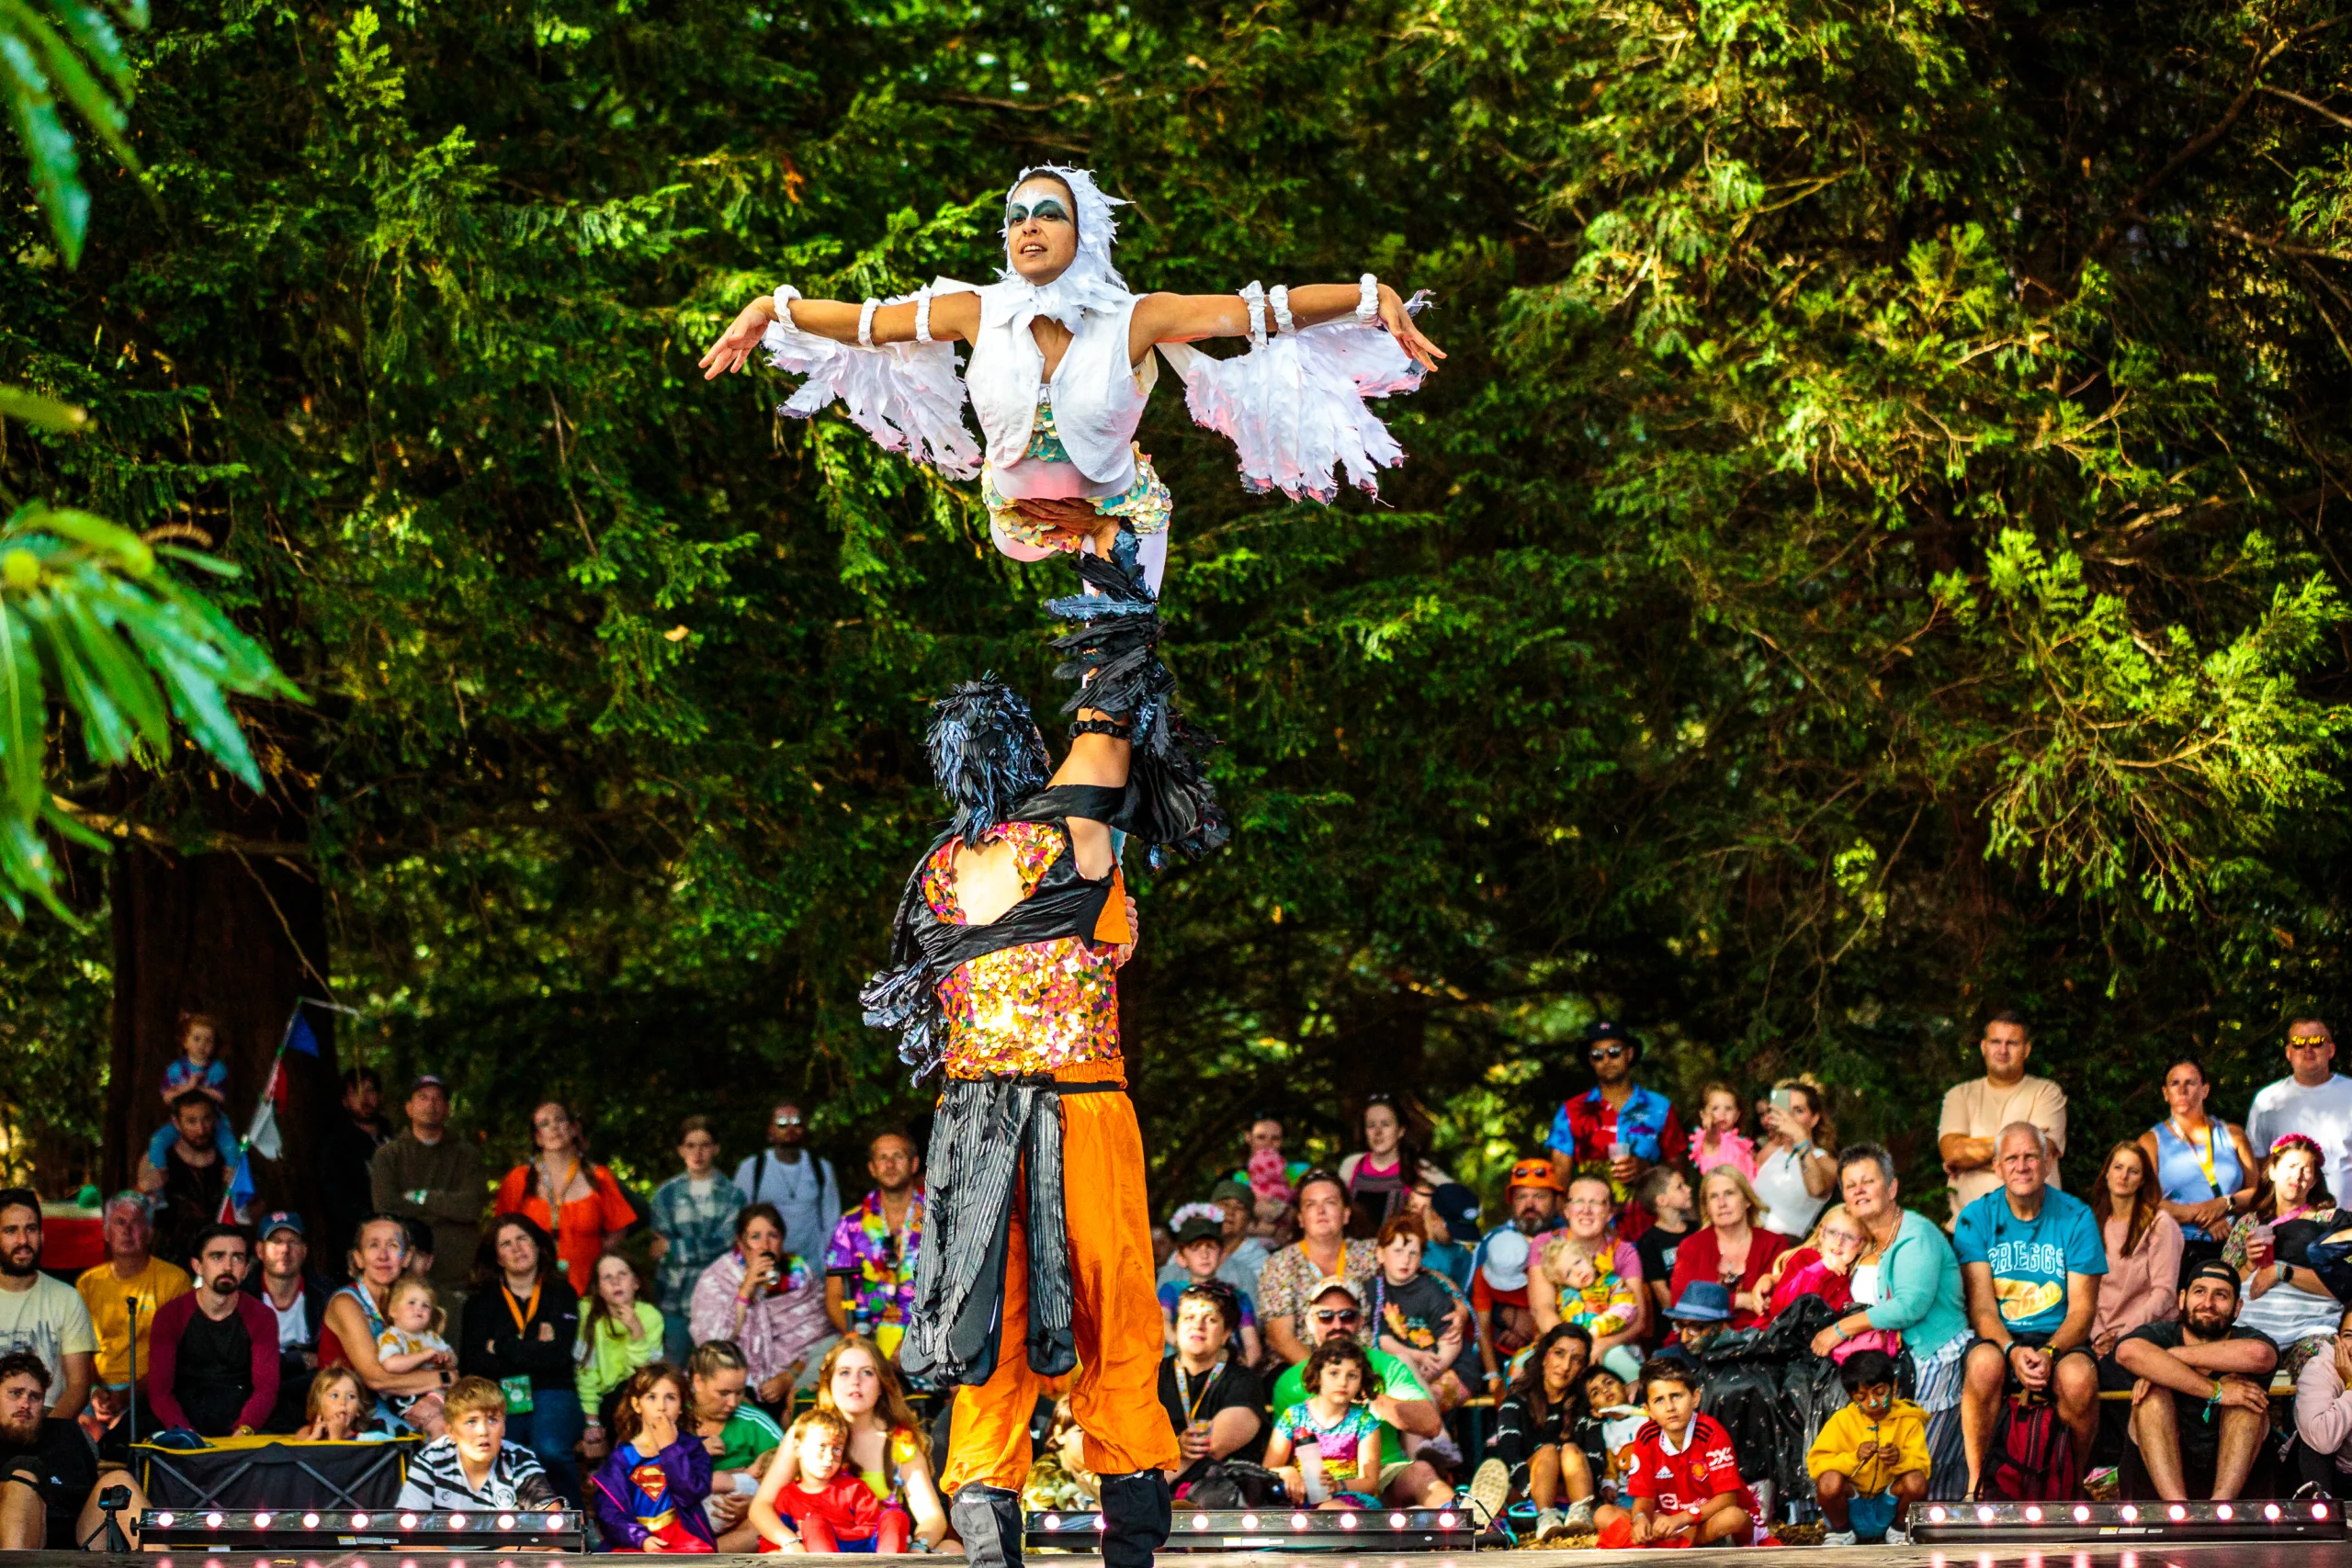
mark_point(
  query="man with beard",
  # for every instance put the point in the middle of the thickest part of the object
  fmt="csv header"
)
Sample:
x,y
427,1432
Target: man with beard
x,y
194,1178
216,1347
2203,1361
298,1299
870,1266
49,1498
1616,1129
1499,1267
801,1184
39,1314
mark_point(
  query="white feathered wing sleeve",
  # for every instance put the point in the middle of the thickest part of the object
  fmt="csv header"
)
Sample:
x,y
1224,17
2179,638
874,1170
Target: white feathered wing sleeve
x,y
1293,405
905,395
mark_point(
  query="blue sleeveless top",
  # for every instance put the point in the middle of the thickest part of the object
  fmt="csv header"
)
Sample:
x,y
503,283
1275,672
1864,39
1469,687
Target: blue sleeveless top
x,y
2179,1173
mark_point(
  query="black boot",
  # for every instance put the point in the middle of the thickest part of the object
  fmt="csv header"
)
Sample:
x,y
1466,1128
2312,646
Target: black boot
x,y
988,1521
1135,1518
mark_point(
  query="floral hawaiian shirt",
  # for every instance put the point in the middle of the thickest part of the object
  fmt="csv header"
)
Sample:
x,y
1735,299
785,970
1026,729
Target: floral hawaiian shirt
x,y
877,1268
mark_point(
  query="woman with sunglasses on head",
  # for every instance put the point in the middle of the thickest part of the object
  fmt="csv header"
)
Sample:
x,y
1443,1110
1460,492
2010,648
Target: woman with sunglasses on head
x,y
1796,1165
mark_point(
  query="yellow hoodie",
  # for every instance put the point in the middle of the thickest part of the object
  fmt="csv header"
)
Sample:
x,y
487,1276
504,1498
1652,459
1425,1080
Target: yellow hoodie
x,y
1903,1428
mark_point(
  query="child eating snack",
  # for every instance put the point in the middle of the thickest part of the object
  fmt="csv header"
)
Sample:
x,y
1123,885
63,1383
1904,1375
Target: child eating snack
x,y
1870,1464
338,1403
829,1509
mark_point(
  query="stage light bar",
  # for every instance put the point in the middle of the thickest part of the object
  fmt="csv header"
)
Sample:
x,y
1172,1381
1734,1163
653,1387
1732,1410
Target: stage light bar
x,y
319,1530
1949,1523
1276,1530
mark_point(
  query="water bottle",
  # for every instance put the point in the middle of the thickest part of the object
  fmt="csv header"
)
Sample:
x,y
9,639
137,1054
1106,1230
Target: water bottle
x,y
1310,1466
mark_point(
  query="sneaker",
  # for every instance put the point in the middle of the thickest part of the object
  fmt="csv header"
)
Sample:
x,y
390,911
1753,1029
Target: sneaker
x,y
1490,1489
1581,1517
1897,1536
1837,1538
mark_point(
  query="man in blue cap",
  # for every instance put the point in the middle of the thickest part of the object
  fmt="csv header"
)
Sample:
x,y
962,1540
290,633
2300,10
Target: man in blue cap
x,y
297,1299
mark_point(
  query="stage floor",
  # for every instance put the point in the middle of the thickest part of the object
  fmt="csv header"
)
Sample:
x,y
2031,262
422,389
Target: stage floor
x,y
2201,1554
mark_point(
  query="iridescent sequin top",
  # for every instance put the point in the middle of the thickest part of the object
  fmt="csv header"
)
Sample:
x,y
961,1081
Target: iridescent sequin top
x,y
1043,1005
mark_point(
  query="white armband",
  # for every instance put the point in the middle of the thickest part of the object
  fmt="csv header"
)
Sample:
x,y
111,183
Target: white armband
x,y
865,322
783,296
1368,300
1279,297
1254,296
923,314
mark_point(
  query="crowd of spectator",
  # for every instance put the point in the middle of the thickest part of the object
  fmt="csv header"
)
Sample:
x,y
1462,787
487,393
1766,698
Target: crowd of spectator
x,y
1657,1331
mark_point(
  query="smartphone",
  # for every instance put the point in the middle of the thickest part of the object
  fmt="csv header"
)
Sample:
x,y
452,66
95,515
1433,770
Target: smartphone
x,y
1784,1101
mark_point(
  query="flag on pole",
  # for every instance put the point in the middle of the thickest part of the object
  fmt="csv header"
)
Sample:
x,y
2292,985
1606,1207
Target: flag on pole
x,y
262,1137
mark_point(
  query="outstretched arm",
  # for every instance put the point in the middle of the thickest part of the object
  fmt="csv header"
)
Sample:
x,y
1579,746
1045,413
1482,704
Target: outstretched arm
x,y
955,315
1187,318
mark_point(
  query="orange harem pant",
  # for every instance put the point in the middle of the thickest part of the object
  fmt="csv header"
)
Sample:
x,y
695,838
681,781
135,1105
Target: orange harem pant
x,y
1115,1315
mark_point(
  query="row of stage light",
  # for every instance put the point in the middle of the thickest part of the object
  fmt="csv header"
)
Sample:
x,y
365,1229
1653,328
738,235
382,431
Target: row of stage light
x,y
2249,1519
341,1529
1277,1529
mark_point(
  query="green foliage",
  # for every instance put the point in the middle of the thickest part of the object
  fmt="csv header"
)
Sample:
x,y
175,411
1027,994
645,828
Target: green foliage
x,y
68,49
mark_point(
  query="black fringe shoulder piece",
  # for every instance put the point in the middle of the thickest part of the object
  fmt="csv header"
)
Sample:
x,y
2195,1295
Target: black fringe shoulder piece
x,y
1113,653
986,754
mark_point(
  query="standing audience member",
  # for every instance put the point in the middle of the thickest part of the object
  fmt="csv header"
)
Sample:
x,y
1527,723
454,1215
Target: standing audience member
x,y
694,1220
1199,1245
2142,1283
39,1314
1533,1453
1499,1269
347,1156
1870,1464
1665,1195
48,1500
2201,1359
558,1190
1796,1168
618,1333
215,1347
198,1069
1975,1111
429,1174
191,1181
1419,1317
2314,1099
472,1467
742,1441
1323,1249
1618,1128
1907,1281
297,1300
520,1330
1588,1277
359,1313
2270,1247
648,1495
870,1262
1215,1403
2323,1415
1380,1176
1403,1409
767,1302
885,1447
131,1276
1683,1486
1732,1248
796,1183
2033,1260
2205,1167
1266,1171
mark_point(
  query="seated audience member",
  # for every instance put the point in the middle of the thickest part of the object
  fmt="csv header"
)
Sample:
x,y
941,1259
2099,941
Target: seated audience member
x,y
1499,1267
692,1215
1419,1317
1214,1403
2143,1250
334,1407
1870,1463
1269,1174
831,1509
472,1465
1244,1255
50,1475
1604,1433
1732,1248
1380,1176
1617,1129
1586,1275
1663,1194
2323,1415
1199,1250
858,1383
1719,1140
1323,1250
131,1276
765,1302
1335,1425
1449,1218
742,1441
2205,1167
2032,1260
521,1330
870,1261
2221,1373
651,1486
412,1342
1406,1411
1702,1312
1533,1453
298,1299
38,1312
2269,1248
1796,1166
1824,1266
618,1333
216,1347
1682,1484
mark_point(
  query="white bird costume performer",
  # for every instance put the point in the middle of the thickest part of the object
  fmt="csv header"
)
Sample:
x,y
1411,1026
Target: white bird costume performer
x,y
1036,1257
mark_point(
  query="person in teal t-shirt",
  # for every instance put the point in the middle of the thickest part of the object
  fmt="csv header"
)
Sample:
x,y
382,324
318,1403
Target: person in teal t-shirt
x,y
1403,1406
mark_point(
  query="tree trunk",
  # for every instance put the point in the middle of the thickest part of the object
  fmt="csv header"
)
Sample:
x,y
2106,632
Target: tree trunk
x,y
240,937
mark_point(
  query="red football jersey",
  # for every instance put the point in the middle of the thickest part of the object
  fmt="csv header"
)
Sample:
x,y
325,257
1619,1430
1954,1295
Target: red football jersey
x,y
1683,1480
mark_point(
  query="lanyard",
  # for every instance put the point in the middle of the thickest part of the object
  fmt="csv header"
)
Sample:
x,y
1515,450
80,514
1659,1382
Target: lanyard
x,y
555,1198
2204,1155
1192,1402
523,1314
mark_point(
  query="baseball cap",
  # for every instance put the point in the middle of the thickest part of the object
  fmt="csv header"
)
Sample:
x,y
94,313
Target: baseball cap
x,y
1199,1229
1505,1263
428,1080
1330,1282
1458,1207
1535,1173
278,1220
1229,1188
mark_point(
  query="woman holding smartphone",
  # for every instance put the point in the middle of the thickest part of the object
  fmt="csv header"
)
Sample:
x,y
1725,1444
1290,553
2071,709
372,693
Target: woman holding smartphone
x,y
1796,1165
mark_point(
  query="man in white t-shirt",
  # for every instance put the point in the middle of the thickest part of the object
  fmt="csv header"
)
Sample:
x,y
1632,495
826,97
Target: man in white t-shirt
x,y
2314,1099
1975,1111
41,1314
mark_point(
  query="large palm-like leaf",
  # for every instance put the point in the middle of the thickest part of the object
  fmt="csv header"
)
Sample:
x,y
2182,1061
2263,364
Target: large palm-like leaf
x,y
67,51
94,624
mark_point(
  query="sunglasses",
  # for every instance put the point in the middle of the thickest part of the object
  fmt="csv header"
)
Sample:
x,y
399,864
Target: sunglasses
x,y
1607,1053
1044,210
788,1121
1347,1315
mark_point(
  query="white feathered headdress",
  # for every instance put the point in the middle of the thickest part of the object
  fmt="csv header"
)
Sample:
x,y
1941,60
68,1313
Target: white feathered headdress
x,y
1092,281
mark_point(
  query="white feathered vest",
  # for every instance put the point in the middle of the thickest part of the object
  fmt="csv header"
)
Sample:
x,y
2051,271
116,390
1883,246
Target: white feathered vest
x,y
1098,396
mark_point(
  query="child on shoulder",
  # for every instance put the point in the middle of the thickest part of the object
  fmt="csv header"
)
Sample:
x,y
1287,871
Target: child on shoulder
x,y
1718,1140
198,1069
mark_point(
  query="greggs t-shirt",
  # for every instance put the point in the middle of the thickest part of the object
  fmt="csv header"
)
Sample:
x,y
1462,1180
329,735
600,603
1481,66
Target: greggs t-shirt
x,y
2030,1259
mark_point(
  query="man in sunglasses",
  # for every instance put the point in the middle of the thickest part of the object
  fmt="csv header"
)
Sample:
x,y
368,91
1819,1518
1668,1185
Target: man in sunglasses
x,y
1618,1128
799,1183
1408,1415
1498,1266
2313,1098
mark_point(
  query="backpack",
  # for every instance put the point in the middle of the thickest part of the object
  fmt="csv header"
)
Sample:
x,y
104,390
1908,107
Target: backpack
x,y
2032,1458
